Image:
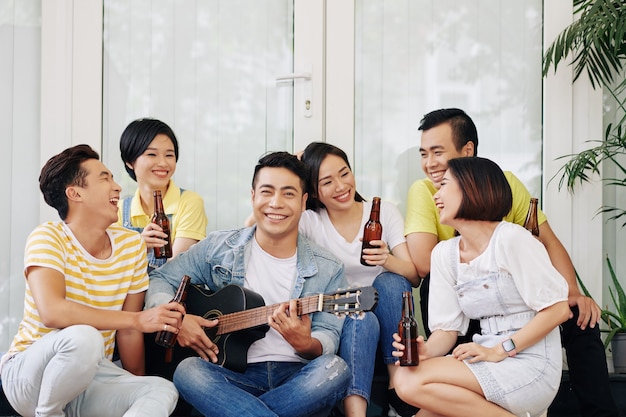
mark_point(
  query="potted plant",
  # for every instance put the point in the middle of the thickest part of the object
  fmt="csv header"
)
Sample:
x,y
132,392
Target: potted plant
x,y
597,42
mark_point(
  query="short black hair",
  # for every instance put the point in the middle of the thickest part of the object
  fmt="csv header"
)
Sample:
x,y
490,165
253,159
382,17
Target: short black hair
x,y
486,193
283,160
313,156
463,127
60,172
137,137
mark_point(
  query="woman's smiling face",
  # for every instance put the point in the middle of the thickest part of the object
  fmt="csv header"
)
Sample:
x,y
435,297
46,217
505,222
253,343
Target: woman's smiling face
x,y
336,185
448,198
156,165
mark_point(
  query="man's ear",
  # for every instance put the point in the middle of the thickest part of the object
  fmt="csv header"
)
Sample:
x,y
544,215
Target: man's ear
x,y
72,193
468,149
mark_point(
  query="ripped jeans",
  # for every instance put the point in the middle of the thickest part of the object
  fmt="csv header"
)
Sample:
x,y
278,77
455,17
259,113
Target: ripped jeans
x,y
291,389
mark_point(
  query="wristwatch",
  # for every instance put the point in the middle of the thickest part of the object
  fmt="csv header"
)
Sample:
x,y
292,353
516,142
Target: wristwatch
x,y
509,347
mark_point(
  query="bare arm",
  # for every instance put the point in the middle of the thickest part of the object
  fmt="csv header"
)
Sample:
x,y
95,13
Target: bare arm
x,y
399,261
589,311
130,341
535,330
48,288
420,246
181,244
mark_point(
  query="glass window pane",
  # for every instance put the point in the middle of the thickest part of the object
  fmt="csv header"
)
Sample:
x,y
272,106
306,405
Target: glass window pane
x,y
415,56
207,68
20,84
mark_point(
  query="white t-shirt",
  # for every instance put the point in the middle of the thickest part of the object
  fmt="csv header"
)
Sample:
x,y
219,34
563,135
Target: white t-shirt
x,y
318,227
274,279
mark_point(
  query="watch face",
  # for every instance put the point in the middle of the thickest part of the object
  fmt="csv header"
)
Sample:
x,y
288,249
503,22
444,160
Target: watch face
x,y
508,345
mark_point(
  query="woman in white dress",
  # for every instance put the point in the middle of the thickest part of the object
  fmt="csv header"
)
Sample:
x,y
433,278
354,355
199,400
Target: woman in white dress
x,y
499,273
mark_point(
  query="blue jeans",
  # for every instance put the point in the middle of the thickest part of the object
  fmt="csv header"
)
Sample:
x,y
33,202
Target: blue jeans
x,y
65,373
360,336
265,389
390,287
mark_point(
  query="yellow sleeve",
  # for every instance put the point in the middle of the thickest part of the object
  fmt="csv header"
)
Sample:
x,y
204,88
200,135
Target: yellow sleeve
x,y
191,220
521,202
422,215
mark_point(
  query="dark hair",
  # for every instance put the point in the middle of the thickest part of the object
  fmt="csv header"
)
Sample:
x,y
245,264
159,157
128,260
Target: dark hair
x,y
137,137
313,156
60,172
283,160
485,190
463,127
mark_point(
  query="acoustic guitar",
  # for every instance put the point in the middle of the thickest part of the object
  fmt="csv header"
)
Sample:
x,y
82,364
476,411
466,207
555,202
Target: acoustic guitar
x,y
242,315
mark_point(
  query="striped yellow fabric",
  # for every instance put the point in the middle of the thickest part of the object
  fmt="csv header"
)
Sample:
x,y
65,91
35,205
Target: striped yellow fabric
x,y
98,283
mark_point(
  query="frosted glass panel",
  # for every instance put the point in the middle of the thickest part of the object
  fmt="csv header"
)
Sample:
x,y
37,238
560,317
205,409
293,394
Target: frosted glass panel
x,y
208,69
20,75
415,56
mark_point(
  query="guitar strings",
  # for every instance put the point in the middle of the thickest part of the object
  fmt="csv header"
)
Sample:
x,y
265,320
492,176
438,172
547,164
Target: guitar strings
x,y
258,316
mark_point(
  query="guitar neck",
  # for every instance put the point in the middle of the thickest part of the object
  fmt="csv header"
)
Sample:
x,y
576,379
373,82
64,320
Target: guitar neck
x,y
246,319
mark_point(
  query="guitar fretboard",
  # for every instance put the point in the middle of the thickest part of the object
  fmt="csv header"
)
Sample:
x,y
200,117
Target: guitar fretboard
x,y
258,316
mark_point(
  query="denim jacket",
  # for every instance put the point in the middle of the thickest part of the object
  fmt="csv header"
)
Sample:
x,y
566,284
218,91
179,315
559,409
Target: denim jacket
x,y
221,258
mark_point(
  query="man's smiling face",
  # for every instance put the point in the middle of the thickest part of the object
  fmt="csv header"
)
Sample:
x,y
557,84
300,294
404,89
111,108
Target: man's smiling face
x,y
437,148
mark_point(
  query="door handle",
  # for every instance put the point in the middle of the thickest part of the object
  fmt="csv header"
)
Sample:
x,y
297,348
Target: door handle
x,y
294,76
305,88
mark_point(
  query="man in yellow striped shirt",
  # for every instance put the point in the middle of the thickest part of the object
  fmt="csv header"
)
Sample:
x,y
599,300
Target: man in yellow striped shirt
x,y
85,285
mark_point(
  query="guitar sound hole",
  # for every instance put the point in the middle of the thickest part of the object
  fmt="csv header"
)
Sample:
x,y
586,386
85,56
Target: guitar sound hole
x,y
211,332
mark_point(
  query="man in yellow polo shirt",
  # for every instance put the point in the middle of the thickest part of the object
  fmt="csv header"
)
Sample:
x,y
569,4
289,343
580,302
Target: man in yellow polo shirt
x,y
451,133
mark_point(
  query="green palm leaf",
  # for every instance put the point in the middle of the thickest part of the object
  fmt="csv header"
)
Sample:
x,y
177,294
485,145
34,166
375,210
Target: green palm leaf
x,y
597,41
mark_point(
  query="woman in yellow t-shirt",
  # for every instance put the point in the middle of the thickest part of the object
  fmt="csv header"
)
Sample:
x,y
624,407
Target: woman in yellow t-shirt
x,y
149,149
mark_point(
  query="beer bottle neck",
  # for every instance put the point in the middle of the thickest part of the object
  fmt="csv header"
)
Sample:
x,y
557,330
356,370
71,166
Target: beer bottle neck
x,y
375,213
407,306
158,202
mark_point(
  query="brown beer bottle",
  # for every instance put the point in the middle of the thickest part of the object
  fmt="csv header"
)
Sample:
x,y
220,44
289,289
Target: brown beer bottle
x,y
166,338
162,220
407,329
373,230
532,223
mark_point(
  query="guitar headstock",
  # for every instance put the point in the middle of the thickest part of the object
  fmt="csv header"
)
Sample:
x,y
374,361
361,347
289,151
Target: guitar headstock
x,y
353,300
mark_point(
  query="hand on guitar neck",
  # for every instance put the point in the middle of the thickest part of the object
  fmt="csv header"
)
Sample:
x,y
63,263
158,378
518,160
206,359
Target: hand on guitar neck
x,y
295,329
243,318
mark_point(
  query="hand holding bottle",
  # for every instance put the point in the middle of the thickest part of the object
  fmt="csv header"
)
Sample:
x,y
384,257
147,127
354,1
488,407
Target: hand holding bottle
x,y
153,235
407,329
377,254
400,348
167,336
160,218
372,232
